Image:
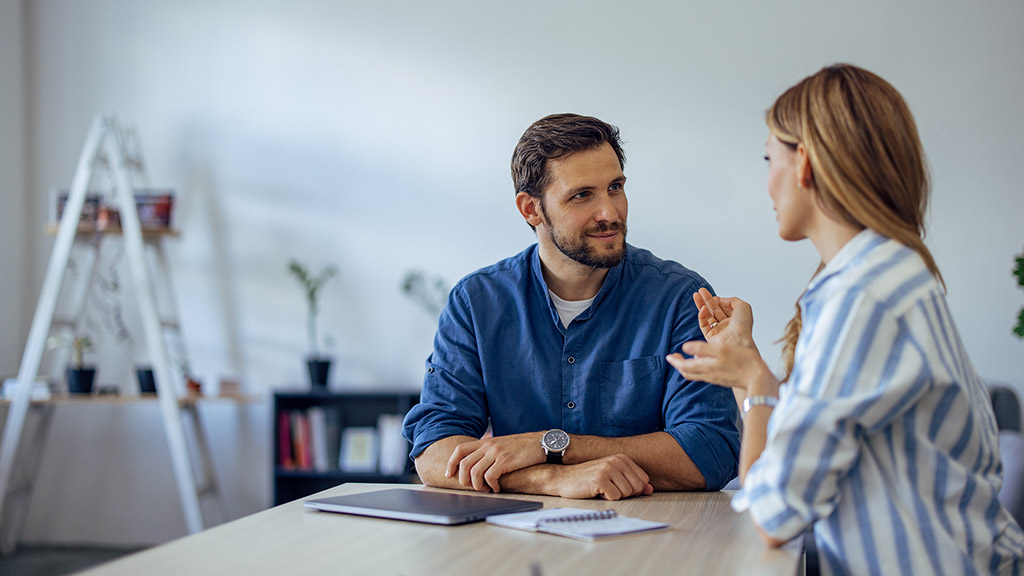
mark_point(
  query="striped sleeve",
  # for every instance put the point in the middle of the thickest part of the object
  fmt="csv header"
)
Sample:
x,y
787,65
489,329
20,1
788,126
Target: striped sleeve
x,y
857,371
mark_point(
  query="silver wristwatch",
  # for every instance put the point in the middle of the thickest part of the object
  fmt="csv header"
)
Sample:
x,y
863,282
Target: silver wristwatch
x,y
752,401
554,443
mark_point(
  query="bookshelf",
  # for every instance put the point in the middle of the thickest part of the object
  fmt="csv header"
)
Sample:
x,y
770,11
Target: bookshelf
x,y
322,439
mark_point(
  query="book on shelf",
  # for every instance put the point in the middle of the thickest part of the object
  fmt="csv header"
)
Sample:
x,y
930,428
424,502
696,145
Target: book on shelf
x,y
300,440
284,440
318,437
332,437
101,211
394,450
577,523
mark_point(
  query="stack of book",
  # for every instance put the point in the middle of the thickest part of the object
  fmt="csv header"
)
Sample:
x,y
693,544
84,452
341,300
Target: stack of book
x,y
315,439
100,212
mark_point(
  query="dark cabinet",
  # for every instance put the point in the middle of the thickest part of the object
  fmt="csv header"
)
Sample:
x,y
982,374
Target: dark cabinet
x,y
323,439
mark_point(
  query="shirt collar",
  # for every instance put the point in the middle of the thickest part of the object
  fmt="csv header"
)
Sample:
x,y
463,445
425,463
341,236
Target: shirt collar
x,y
851,253
610,281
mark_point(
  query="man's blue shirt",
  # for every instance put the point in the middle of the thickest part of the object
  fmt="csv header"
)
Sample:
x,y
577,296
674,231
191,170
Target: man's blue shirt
x,y
502,355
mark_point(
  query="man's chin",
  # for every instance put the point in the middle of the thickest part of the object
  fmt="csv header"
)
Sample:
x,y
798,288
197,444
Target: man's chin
x,y
610,257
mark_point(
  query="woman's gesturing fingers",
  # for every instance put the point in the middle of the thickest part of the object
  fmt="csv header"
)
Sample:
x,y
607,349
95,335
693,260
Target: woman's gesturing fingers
x,y
712,313
723,364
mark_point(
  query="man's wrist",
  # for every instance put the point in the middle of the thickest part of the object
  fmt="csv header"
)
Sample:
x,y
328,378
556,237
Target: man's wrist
x,y
539,479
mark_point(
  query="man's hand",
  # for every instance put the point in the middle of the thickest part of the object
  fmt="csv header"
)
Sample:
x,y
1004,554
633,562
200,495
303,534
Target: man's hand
x,y
612,478
481,463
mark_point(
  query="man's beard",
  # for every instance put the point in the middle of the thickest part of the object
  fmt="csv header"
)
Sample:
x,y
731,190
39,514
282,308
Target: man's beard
x,y
580,251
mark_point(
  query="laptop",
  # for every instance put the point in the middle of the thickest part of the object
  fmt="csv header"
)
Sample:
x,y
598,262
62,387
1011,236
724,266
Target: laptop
x,y
422,506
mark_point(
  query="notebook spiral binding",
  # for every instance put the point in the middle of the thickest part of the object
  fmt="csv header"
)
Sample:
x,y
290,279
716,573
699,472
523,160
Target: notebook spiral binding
x,y
582,517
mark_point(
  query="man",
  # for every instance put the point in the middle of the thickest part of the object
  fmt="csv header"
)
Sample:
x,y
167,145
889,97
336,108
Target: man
x,y
561,349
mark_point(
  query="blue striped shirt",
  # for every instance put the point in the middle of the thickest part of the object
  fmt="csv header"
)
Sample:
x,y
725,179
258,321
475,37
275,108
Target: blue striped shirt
x,y
884,437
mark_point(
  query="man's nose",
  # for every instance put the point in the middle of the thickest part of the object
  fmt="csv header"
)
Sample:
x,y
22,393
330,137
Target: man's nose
x,y
605,209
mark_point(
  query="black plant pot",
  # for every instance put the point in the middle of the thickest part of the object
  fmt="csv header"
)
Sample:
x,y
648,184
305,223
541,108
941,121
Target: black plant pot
x,y
80,380
318,371
147,385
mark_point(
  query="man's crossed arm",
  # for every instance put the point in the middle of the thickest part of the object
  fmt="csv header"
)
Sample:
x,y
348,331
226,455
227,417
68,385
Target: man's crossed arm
x,y
611,468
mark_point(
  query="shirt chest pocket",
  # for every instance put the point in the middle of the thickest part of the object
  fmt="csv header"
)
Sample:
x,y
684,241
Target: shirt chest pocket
x,y
632,392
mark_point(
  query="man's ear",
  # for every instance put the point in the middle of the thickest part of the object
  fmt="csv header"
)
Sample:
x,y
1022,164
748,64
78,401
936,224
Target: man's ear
x,y
804,172
529,207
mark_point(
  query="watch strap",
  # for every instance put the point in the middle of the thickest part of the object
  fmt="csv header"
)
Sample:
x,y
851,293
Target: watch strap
x,y
754,401
554,457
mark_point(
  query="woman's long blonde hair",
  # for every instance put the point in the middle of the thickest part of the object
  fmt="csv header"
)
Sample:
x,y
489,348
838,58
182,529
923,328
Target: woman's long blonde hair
x,y
867,163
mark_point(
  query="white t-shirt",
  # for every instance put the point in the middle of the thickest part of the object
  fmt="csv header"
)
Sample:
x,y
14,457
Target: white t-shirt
x,y
568,310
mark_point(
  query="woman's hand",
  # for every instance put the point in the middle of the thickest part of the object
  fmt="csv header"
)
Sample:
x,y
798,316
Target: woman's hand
x,y
730,365
729,357
724,320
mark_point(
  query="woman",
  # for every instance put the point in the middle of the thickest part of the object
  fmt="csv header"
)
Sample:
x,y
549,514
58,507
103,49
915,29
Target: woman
x,y
881,434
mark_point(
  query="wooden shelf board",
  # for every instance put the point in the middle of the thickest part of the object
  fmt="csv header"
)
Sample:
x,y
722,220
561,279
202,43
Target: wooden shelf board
x,y
82,399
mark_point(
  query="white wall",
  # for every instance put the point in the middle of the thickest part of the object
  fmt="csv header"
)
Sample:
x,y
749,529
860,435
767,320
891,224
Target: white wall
x,y
13,261
377,135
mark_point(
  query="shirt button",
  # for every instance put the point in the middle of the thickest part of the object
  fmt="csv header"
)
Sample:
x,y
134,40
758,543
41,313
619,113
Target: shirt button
x,y
572,360
430,370
570,405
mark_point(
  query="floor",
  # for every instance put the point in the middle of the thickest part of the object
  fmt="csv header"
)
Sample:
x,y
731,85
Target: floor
x,y
40,561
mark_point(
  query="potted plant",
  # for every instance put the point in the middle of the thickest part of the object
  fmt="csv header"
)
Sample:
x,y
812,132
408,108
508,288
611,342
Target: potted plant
x,y
1018,271
429,292
147,381
80,377
319,365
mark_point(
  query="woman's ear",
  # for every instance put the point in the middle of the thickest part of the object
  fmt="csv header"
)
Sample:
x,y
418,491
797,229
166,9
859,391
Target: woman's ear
x,y
529,207
804,172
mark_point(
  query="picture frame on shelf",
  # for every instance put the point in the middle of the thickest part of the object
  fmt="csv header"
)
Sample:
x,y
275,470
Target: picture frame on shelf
x,y
358,449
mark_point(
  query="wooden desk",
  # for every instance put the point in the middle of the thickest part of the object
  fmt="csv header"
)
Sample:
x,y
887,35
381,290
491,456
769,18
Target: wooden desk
x,y
706,537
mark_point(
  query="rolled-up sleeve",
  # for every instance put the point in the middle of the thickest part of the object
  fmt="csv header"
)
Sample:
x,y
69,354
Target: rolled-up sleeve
x,y
453,400
701,416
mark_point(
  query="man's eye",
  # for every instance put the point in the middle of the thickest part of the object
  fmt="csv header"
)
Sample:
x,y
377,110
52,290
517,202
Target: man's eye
x,y
581,195
615,187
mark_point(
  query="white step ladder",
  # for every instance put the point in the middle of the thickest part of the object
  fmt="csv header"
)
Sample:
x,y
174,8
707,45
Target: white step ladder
x,y
106,146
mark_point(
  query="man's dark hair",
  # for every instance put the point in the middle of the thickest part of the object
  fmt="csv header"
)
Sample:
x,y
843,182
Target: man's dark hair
x,y
553,137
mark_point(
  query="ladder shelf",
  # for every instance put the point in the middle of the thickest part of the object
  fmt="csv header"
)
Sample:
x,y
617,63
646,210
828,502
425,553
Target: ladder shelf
x,y
107,147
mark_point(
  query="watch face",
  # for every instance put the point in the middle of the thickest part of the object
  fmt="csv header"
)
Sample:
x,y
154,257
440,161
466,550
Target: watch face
x,y
556,440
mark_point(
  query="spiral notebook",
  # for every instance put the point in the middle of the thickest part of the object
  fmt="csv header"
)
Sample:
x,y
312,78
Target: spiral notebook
x,y
578,523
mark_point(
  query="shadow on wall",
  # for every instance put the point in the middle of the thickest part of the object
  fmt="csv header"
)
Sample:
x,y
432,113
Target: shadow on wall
x,y
200,185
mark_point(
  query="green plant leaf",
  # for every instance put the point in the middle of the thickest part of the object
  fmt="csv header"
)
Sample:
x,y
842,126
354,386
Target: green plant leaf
x,y
1019,330
432,294
300,272
311,285
1019,270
